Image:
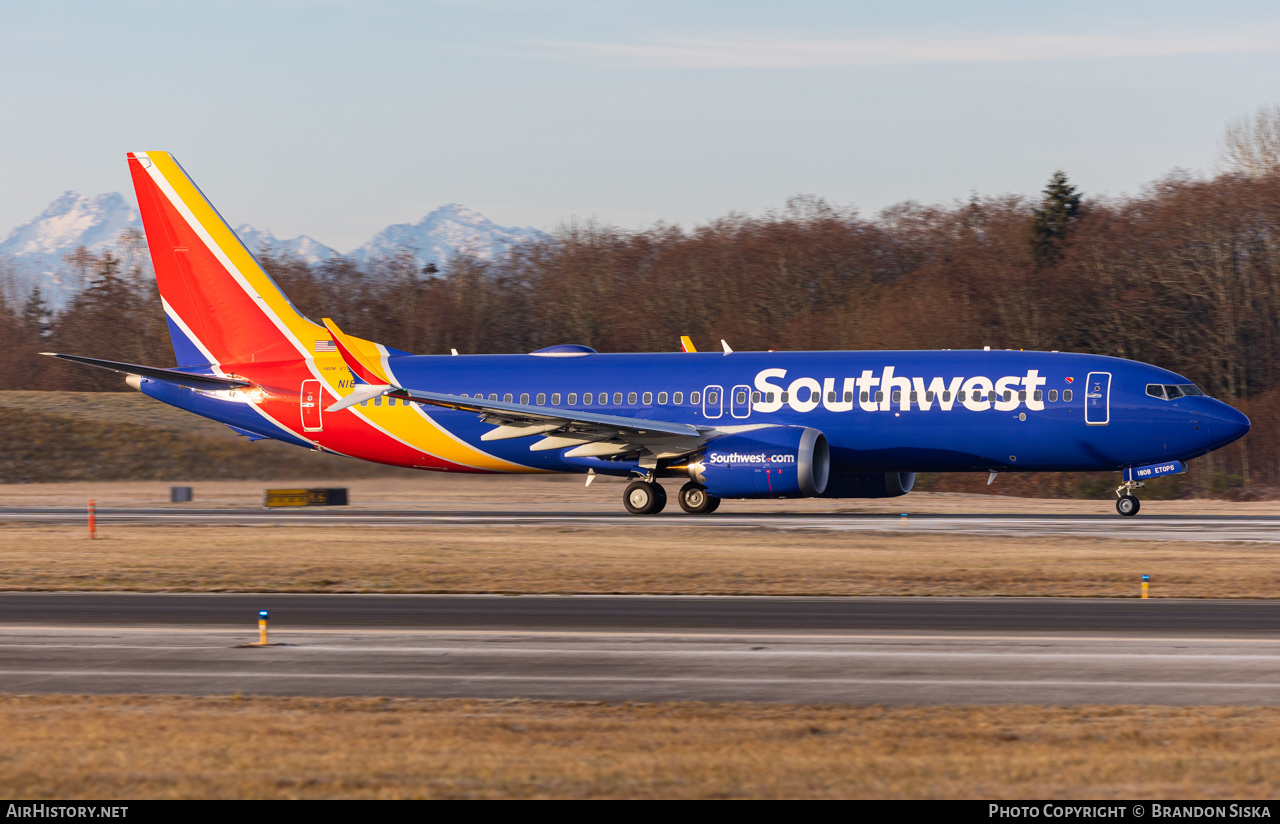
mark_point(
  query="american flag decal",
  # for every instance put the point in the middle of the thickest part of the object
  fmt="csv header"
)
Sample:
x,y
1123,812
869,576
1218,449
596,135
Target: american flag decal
x,y
326,346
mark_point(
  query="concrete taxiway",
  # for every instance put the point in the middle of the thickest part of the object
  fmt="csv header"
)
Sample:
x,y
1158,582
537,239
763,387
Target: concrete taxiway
x,y
1245,528
859,650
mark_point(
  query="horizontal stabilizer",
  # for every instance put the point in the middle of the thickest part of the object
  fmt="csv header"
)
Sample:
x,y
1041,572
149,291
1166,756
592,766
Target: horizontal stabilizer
x,y
157,373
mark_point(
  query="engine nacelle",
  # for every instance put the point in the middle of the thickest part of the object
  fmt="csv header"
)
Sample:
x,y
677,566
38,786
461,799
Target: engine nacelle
x,y
869,484
770,462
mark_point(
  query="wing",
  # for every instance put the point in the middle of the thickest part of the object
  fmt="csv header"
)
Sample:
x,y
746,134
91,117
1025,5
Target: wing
x,y
585,434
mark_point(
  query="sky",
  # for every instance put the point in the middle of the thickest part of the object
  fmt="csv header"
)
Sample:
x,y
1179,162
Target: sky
x,y
335,118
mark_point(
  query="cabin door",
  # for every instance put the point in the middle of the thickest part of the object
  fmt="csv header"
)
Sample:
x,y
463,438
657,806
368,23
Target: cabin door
x,y
1097,399
311,400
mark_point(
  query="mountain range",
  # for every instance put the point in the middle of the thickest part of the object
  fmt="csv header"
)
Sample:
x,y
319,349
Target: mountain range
x,y
35,249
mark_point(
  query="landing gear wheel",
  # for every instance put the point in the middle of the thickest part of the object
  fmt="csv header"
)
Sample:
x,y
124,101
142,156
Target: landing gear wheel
x,y
1128,505
695,499
661,503
644,498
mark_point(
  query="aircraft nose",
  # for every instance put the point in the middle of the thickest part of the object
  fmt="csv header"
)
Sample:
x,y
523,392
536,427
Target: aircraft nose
x,y
1228,423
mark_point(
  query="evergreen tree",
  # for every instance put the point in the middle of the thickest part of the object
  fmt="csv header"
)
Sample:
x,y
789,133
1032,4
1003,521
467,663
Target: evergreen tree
x,y
1050,223
35,316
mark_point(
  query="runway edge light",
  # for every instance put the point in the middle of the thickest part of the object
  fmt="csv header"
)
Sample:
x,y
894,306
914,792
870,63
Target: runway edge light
x,y
1145,582
262,627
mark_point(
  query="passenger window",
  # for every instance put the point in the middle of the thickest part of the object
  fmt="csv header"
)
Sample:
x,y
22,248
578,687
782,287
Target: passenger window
x,y
573,398
755,397
377,401
524,397
1066,395
631,398
1008,395
915,398
555,398
542,399
961,397
831,397
768,397
492,396
506,398
713,398
866,396
604,398
391,401
786,397
587,397
677,398
741,397
896,397
879,397
695,398
662,398
928,397
1022,394
848,397
1039,396
648,398
946,396
464,395
364,403
1053,396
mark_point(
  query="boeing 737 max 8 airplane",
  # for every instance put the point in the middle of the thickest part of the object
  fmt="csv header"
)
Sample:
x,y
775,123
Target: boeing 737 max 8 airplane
x,y
733,424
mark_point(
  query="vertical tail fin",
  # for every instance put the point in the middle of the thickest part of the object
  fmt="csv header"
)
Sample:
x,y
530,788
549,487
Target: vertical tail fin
x,y
221,306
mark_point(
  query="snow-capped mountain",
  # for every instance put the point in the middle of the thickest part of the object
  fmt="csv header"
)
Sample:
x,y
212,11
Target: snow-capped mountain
x,y
447,231
70,221
73,220
36,249
302,247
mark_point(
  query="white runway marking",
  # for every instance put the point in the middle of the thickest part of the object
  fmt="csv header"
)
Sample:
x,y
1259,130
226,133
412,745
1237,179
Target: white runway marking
x,y
1109,526
637,679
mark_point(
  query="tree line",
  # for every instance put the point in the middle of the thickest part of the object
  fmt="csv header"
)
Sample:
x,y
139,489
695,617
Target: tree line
x,y
1184,275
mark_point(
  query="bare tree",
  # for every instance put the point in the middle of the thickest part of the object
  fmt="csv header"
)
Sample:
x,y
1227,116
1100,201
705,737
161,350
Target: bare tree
x,y
1251,145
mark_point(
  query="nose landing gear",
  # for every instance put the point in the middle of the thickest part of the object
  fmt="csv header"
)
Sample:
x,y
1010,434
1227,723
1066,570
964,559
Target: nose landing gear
x,y
1128,504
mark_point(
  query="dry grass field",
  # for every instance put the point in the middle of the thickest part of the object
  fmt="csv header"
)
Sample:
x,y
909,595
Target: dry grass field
x,y
602,559
712,557
69,747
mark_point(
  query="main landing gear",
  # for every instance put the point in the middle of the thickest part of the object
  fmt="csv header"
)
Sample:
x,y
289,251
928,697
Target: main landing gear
x,y
695,499
649,498
644,498
1128,504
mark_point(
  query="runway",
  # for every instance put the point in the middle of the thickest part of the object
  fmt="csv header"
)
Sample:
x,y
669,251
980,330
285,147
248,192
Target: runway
x,y
629,648
1245,528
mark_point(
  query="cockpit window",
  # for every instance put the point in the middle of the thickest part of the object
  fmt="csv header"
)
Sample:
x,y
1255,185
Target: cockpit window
x,y
1171,392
